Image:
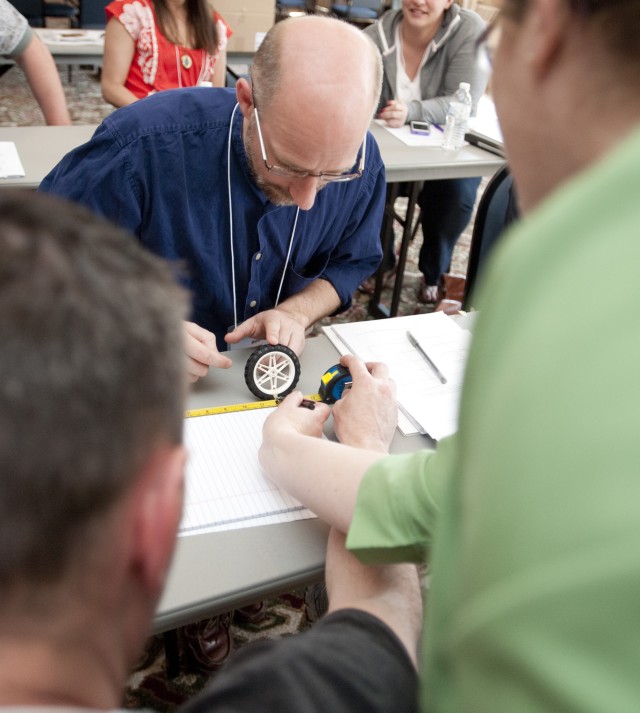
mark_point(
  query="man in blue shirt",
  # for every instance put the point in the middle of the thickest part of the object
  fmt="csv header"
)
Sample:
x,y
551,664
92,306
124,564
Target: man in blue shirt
x,y
229,184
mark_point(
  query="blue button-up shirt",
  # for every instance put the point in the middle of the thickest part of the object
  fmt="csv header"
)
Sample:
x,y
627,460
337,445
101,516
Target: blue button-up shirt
x,y
159,168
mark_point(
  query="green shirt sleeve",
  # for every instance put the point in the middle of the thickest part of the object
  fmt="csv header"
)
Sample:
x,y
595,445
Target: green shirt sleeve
x,y
397,506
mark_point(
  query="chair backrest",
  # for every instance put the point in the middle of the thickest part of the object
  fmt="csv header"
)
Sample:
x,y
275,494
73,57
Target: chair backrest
x,y
293,4
92,15
291,8
497,209
36,11
359,10
231,77
376,5
32,10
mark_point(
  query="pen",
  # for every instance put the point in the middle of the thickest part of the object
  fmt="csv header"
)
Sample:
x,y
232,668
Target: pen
x,y
437,126
416,344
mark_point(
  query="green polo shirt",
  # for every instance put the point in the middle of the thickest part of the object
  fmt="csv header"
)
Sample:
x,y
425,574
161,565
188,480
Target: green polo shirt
x,y
530,515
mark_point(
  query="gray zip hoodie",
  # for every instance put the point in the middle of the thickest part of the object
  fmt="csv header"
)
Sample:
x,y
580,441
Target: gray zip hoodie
x,y
451,59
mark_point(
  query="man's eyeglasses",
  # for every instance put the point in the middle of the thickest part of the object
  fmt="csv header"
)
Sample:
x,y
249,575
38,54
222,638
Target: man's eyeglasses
x,y
326,176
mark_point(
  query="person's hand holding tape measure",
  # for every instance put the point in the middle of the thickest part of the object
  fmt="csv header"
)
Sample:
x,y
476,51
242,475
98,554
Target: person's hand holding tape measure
x,y
367,414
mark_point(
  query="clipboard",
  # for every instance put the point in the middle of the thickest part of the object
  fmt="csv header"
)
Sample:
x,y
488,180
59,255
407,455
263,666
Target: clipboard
x,y
482,141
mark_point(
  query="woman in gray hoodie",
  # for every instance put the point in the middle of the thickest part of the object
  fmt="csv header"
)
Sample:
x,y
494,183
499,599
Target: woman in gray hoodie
x,y
428,48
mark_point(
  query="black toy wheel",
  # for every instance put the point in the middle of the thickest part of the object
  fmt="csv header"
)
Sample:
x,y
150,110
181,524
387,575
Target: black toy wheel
x,y
272,371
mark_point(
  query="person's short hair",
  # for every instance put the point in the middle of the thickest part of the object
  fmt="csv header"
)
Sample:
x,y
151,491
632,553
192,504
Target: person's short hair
x,y
93,377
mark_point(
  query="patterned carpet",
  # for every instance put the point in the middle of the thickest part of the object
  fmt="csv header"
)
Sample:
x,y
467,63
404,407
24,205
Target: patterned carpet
x,y
149,687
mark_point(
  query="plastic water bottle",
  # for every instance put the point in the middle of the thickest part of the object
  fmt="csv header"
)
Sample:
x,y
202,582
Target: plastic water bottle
x,y
457,117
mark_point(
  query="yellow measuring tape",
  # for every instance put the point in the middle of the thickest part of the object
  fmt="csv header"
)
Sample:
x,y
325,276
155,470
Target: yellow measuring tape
x,y
232,408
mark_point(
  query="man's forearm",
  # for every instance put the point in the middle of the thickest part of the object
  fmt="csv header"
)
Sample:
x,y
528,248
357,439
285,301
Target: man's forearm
x,y
323,475
38,65
317,300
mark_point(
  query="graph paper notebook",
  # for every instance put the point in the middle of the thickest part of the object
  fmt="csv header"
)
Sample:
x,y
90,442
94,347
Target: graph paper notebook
x,y
226,489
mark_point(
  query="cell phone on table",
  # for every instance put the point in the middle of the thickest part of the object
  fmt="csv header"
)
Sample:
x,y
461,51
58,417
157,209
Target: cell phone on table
x,y
421,127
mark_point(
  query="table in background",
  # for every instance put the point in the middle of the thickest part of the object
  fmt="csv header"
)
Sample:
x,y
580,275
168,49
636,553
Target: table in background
x,y
79,47
41,148
86,48
413,165
217,572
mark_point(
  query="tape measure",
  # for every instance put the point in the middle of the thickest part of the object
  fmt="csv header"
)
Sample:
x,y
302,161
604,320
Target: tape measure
x,y
332,385
232,408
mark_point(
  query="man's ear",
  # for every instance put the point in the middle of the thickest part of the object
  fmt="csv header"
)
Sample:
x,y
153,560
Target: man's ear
x,y
156,510
547,25
244,94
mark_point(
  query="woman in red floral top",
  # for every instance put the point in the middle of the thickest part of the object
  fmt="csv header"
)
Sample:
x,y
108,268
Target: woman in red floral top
x,y
164,44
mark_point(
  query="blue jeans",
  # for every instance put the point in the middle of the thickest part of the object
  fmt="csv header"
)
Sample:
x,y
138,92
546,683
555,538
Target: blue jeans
x,y
446,206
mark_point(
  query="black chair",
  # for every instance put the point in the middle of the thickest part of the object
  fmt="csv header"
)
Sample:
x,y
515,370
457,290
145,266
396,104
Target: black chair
x,y
37,11
497,209
231,77
359,12
92,15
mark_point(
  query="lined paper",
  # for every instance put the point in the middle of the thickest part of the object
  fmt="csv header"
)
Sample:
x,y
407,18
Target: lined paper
x,y
225,487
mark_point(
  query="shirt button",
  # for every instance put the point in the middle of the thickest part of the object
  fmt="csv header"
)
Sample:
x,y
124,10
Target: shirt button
x,y
253,303
258,256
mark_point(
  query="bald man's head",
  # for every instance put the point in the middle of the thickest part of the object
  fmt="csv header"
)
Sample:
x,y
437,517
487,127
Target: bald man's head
x,y
326,65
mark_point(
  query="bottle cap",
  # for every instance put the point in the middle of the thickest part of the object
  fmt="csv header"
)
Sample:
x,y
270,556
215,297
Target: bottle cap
x,y
465,85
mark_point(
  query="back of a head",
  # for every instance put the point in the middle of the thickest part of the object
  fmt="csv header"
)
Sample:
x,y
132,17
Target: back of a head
x,y
610,28
317,58
93,377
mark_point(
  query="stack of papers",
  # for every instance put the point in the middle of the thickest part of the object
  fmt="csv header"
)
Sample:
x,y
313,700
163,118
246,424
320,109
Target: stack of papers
x,y
10,164
426,404
83,37
484,129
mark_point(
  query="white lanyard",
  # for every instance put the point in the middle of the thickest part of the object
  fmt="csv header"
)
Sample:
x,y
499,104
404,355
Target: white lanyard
x,y
233,262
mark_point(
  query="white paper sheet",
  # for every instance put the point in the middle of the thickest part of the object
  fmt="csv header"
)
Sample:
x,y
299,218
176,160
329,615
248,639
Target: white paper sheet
x,y
404,134
226,489
428,405
485,122
10,164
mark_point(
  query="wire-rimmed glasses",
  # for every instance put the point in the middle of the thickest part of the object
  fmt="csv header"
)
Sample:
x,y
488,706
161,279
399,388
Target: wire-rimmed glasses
x,y
326,176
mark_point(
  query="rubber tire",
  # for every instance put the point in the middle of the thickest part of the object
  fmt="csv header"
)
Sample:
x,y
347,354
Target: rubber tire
x,y
253,362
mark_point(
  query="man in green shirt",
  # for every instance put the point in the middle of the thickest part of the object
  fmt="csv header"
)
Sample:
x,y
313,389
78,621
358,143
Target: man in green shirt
x,y
530,514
